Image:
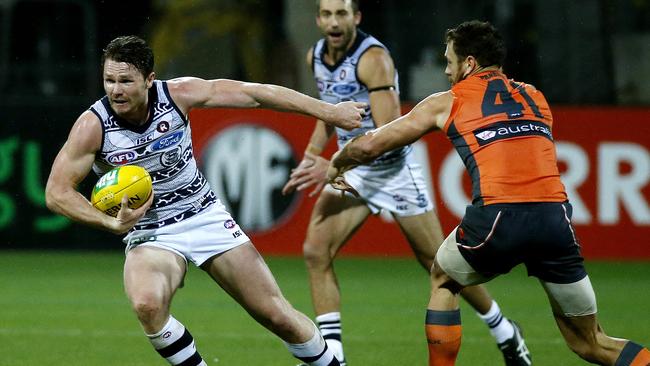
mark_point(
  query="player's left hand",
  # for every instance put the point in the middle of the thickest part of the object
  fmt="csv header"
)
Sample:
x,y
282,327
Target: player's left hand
x,y
348,115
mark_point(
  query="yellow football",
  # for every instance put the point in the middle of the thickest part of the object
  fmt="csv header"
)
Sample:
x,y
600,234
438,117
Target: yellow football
x,y
130,180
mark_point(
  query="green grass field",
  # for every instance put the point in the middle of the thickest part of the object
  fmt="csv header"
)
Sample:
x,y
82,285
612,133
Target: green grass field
x,y
68,308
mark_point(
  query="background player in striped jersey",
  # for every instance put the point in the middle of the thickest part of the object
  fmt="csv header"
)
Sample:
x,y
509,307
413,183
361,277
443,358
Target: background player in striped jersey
x,y
144,121
519,214
351,65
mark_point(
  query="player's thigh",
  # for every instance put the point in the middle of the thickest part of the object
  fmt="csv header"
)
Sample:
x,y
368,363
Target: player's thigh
x,y
334,219
571,299
244,275
452,262
423,233
152,274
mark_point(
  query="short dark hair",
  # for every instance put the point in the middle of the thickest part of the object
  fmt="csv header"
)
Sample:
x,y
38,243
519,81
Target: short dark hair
x,y
132,50
479,39
355,5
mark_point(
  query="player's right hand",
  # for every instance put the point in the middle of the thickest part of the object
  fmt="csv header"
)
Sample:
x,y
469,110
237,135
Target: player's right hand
x,y
348,115
127,217
312,171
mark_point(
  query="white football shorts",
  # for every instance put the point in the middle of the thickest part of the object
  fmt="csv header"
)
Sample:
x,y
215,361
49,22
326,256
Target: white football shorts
x,y
398,188
196,239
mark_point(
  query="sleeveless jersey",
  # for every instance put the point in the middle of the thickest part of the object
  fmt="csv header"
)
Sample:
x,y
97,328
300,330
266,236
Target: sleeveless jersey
x,y
502,131
339,83
163,146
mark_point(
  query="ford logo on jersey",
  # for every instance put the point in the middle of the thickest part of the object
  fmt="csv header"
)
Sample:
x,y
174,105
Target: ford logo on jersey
x,y
121,157
167,141
345,89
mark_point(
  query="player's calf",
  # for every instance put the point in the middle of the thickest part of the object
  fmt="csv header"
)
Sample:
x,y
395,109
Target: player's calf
x,y
443,330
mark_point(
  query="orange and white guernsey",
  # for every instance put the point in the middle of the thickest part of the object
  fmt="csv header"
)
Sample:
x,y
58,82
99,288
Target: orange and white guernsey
x,y
502,130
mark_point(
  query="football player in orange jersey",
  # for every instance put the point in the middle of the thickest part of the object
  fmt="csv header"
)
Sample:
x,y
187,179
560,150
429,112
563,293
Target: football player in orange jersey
x,y
349,64
519,214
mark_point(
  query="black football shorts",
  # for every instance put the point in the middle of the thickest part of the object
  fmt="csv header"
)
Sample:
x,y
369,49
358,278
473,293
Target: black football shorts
x,y
495,238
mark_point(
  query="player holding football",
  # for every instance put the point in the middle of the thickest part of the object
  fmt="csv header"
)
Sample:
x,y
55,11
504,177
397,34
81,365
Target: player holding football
x,y
185,221
519,214
349,64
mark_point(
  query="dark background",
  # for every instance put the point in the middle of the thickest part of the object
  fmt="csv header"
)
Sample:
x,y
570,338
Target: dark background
x,y
579,53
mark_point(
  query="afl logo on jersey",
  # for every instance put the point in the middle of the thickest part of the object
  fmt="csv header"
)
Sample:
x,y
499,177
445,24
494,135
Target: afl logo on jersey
x,y
121,157
162,127
167,141
345,89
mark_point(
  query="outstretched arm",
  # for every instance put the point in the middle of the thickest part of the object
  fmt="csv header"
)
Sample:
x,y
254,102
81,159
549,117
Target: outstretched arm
x,y
428,115
71,166
190,92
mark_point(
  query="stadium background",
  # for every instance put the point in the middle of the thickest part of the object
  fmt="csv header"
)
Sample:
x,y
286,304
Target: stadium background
x,y
590,57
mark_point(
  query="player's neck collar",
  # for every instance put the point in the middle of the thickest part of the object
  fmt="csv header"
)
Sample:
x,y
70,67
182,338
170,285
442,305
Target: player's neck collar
x,y
152,99
360,36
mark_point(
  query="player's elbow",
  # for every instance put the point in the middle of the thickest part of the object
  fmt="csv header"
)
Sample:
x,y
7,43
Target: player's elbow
x,y
53,197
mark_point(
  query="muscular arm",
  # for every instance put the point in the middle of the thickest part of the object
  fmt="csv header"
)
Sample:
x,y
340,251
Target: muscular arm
x,y
430,114
70,167
376,70
190,92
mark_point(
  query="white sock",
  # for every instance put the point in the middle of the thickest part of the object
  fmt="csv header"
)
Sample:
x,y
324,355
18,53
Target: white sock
x,y
330,326
175,343
314,352
500,327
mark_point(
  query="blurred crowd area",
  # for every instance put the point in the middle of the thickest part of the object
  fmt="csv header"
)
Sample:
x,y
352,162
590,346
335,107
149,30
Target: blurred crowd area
x,y
582,52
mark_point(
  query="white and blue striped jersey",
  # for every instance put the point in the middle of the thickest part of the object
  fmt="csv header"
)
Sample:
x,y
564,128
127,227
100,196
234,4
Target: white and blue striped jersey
x,y
163,146
340,83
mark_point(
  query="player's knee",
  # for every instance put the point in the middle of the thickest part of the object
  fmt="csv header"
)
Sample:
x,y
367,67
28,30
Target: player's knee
x,y
316,254
148,308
